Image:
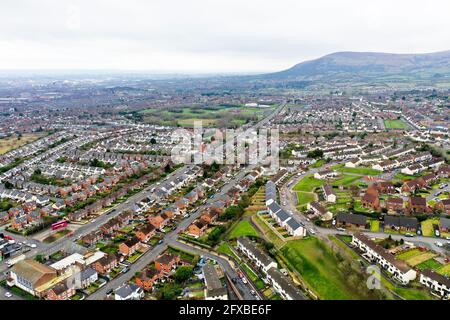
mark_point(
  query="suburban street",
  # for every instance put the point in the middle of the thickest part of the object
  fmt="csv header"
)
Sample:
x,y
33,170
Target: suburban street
x,y
170,238
288,199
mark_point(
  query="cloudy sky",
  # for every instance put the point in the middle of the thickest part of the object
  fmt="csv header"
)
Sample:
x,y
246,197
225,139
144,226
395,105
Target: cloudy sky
x,y
211,35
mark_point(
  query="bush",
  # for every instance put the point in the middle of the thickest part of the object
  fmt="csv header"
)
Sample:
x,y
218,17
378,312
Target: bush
x,y
183,273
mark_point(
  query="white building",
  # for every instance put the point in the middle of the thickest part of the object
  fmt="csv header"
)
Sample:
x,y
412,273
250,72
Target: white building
x,y
439,284
129,292
259,258
375,253
329,194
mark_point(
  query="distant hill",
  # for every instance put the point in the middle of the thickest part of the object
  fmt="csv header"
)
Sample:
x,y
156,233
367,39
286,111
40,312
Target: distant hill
x,y
369,66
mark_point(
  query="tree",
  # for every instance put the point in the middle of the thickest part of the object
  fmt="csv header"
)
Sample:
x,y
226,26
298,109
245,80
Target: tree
x,y
37,172
183,273
8,185
153,141
315,154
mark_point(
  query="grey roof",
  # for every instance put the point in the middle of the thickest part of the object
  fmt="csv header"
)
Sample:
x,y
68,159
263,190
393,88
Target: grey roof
x,y
285,284
294,224
213,284
271,191
404,222
87,273
274,207
445,223
283,215
258,253
437,277
351,218
127,290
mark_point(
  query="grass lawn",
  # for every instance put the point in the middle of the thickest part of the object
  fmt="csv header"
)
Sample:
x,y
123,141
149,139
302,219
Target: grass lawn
x,y
418,259
374,225
55,236
305,197
344,180
360,170
405,255
134,257
344,247
406,293
445,270
429,264
268,232
394,124
318,267
427,227
318,163
224,248
308,184
243,228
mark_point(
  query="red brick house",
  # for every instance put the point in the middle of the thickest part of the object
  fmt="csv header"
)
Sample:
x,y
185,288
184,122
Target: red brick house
x,y
394,205
60,292
105,264
417,205
166,262
369,200
209,217
384,187
158,221
147,278
197,228
412,185
443,205
129,247
146,233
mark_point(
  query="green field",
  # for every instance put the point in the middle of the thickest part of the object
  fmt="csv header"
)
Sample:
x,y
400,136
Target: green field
x,y
429,264
345,179
394,124
308,184
230,115
374,225
427,227
360,170
318,267
305,197
445,270
243,228
405,255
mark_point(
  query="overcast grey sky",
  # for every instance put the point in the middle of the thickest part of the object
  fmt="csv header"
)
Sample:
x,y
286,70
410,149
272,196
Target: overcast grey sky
x,y
211,35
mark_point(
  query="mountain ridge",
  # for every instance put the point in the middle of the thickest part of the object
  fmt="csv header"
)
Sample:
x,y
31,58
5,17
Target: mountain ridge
x,y
368,65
